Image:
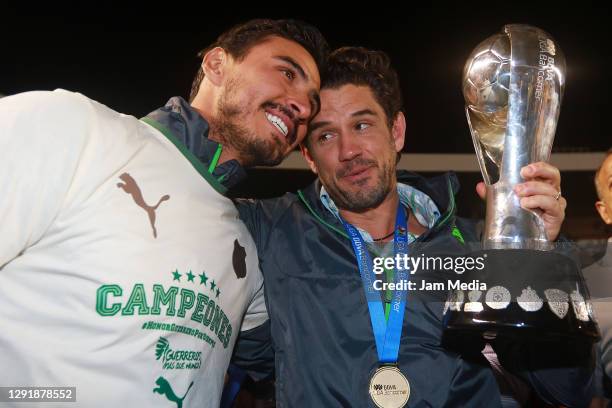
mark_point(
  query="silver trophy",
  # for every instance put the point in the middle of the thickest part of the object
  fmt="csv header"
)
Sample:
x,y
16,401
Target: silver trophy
x,y
513,85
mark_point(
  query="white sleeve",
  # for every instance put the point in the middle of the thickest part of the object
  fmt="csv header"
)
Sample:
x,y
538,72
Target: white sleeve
x,y
41,137
257,313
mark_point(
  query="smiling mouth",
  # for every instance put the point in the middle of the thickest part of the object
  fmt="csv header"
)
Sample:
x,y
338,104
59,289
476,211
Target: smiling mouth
x,y
278,123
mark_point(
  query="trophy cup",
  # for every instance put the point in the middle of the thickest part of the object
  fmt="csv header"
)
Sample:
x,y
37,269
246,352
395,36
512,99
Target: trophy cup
x,y
513,85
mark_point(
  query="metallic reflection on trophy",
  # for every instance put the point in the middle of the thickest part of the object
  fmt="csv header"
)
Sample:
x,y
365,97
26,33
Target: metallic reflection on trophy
x,y
513,84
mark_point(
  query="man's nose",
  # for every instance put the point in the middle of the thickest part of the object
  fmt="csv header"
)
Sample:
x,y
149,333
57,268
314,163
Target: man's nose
x,y
348,148
300,105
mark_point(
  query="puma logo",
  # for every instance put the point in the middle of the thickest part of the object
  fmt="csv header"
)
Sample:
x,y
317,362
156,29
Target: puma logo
x,y
164,388
130,186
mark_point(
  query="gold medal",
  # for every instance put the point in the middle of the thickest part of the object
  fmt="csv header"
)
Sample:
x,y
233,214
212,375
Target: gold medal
x,y
389,388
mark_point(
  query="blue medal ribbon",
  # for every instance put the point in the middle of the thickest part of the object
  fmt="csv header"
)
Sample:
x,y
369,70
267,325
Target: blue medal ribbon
x,y
386,333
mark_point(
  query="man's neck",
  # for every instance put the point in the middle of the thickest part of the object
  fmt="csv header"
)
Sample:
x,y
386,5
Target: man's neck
x,y
378,221
227,153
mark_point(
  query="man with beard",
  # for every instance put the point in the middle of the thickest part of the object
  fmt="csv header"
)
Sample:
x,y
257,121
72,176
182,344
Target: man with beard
x,y
129,277
316,247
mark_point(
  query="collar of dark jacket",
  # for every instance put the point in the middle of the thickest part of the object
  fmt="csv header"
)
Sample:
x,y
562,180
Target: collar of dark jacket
x,y
191,129
438,188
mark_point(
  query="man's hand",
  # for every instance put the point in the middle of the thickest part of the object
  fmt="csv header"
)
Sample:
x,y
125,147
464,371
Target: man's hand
x,y
541,192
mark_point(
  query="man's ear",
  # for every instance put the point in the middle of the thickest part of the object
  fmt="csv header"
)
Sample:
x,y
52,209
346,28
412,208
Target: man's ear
x,y
215,64
603,213
306,153
398,131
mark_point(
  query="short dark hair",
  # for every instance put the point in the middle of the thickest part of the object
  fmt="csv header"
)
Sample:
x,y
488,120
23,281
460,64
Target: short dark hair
x,y
598,187
361,66
238,41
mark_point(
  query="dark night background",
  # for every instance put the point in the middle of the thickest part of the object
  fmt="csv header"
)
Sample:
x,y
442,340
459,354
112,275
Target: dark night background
x,y
134,63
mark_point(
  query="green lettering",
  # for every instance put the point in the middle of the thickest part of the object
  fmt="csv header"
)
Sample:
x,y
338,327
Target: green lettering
x,y
137,299
228,336
187,299
197,315
224,323
214,326
101,300
210,311
165,298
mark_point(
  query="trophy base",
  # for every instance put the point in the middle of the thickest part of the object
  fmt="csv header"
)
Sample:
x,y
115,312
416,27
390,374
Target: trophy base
x,y
531,296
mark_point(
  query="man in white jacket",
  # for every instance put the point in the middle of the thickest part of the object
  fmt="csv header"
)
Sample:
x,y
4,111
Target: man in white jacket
x,y
124,270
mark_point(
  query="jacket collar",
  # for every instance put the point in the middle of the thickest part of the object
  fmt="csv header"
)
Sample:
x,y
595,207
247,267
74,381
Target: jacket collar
x,y
441,189
191,129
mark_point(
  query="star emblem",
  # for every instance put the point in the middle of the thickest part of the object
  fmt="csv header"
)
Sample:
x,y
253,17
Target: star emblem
x,y
203,278
213,286
177,275
218,292
190,276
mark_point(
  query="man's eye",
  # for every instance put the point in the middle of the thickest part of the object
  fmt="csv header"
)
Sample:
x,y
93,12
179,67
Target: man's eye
x,y
289,74
362,126
324,137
